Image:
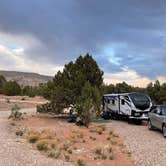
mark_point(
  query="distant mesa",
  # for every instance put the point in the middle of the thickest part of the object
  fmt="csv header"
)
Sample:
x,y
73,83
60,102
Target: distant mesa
x,y
25,78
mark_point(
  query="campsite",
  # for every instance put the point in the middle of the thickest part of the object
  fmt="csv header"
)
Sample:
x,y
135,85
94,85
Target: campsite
x,y
82,83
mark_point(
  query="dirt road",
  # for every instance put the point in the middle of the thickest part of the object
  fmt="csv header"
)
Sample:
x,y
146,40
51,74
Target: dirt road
x,y
14,153
148,148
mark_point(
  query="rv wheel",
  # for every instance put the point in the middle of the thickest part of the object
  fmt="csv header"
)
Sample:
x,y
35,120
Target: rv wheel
x,y
130,121
138,121
150,127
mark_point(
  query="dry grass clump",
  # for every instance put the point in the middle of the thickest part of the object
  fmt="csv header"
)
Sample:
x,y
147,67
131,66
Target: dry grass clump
x,y
92,138
113,142
65,147
33,136
98,129
104,154
42,145
80,162
47,134
67,158
115,135
102,127
98,151
54,154
12,124
19,133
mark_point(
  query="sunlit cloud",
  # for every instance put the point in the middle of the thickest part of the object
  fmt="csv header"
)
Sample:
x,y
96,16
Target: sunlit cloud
x,y
18,61
131,77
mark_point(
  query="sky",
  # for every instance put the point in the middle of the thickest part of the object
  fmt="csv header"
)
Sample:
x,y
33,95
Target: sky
x,y
127,38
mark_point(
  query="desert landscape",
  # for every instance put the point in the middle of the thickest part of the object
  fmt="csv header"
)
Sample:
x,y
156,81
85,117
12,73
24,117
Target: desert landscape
x,y
82,83
64,142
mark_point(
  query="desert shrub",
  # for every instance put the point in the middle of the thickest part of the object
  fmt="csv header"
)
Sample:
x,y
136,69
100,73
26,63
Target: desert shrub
x,y
65,147
115,135
111,157
52,155
57,154
110,150
45,108
80,162
92,138
129,154
67,158
53,145
15,114
2,83
108,138
42,145
100,131
70,151
12,124
98,151
103,128
23,98
111,132
12,88
7,100
103,157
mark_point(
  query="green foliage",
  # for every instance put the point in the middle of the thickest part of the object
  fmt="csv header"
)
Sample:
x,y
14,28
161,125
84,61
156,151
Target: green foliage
x,y
88,105
78,86
15,114
29,91
2,83
11,88
156,91
45,108
80,162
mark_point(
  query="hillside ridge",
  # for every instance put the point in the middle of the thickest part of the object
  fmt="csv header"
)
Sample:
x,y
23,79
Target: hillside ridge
x,y
25,78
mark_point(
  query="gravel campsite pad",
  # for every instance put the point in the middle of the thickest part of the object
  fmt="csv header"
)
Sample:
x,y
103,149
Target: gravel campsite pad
x,y
148,148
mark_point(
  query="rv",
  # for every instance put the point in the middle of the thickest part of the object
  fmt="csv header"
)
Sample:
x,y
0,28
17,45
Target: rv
x,y
130,105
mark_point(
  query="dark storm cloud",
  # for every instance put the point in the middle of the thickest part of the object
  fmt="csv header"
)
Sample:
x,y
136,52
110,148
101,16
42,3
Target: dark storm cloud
x,y
135,30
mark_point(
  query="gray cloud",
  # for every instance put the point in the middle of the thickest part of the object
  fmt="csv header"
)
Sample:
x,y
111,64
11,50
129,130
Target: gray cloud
x,y
135,30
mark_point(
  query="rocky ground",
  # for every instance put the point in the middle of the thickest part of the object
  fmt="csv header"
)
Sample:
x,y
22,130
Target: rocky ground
x,y
148,148
15,153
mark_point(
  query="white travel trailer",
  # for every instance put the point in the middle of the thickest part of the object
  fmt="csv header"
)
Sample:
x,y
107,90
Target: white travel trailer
x,y
130,105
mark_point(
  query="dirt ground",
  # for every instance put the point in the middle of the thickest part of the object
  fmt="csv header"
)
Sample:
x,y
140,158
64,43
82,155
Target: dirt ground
x,y
93,146
7,102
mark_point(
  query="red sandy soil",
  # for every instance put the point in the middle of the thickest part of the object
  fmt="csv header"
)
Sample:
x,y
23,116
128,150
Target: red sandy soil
x,y
84,147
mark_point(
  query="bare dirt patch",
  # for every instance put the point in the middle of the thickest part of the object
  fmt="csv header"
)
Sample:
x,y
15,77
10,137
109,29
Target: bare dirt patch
x,y
56,138
7,102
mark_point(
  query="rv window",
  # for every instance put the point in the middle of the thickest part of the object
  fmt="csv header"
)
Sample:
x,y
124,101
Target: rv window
x,y
113,102
123,102
108,101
